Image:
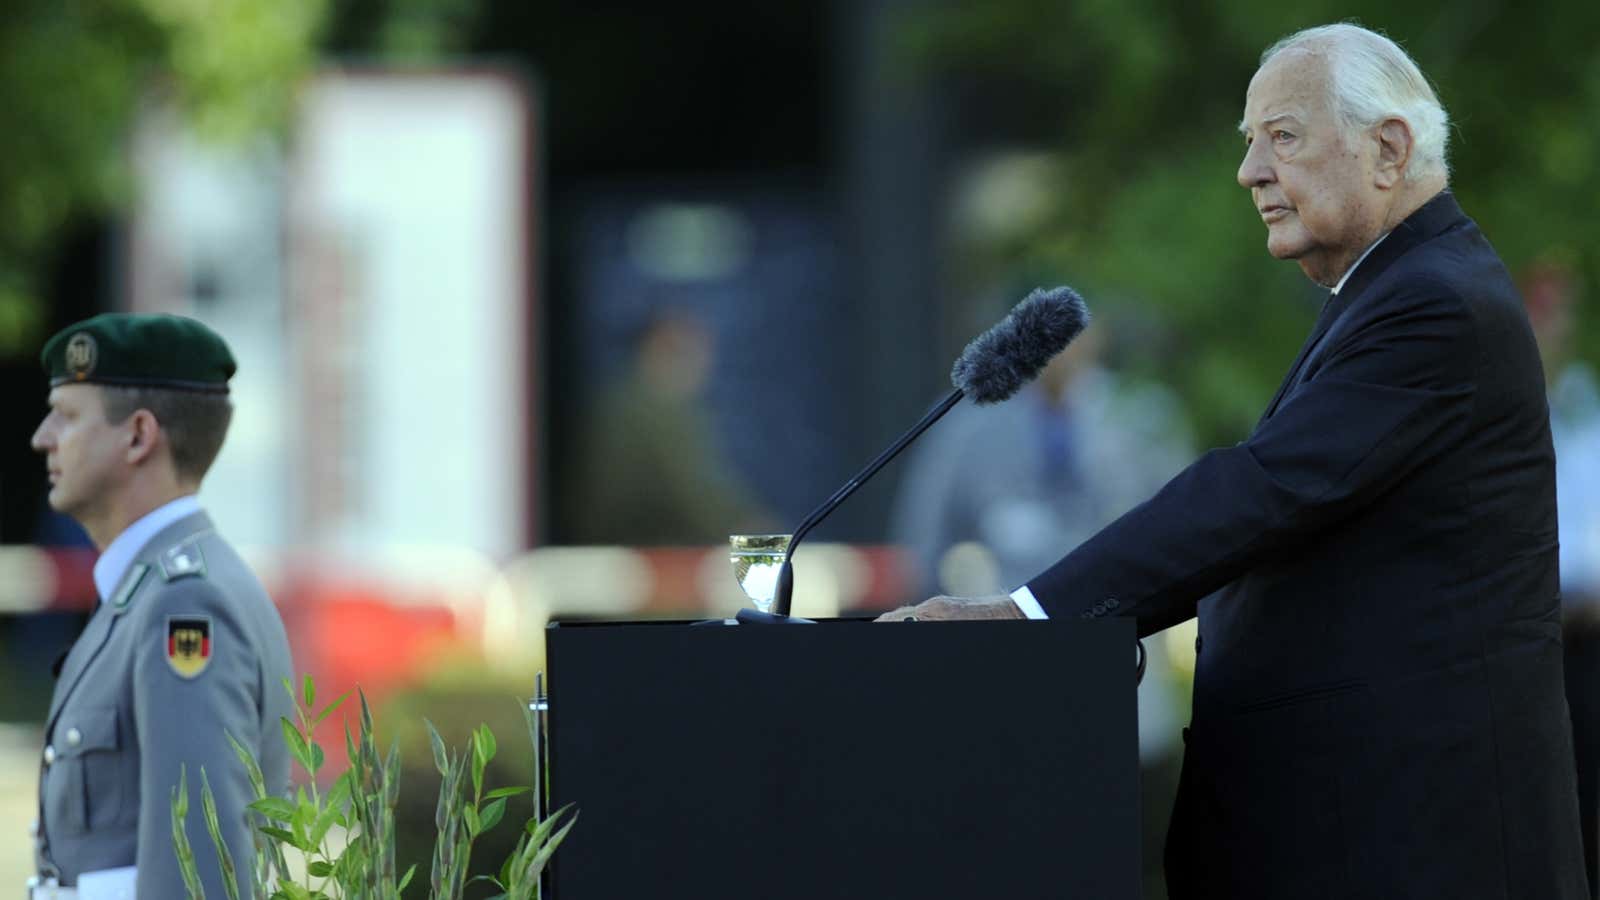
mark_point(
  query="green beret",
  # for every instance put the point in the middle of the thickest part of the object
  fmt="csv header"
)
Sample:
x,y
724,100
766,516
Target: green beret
x,y
139,351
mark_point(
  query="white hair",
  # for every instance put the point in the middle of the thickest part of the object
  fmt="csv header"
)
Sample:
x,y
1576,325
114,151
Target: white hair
x,y
1372,79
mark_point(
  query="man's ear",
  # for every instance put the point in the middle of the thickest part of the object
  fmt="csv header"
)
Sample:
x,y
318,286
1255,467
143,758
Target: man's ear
x,y
1394,152
144,436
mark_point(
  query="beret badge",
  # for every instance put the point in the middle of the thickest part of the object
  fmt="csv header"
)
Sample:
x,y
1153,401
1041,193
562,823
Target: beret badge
x,y
81,354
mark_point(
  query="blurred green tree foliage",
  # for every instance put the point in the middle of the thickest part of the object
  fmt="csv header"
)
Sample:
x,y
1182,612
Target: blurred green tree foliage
x,y
74,72
1145,96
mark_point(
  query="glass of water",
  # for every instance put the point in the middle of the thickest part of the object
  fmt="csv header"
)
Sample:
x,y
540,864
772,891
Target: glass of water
x,y
756,561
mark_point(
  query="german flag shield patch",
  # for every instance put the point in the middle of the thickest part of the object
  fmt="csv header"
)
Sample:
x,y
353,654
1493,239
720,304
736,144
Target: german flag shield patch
x,y
188,644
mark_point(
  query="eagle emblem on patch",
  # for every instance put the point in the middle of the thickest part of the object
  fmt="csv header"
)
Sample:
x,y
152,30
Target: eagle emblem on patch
x,y
82,352
188,644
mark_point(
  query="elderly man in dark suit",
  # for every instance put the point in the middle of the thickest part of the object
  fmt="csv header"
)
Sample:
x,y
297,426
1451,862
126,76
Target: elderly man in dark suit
x,y
185,648
1378,701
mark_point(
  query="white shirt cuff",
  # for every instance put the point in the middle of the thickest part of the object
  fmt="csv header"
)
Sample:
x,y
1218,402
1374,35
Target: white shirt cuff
x,y
108,884
1025,601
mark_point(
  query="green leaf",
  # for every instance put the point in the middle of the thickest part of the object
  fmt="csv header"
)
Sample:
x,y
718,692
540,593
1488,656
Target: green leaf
x,y
337,797
258,783
366,716
353,861
180,837
180,800
317,759
343,787
489,878
301,826
310,692
320,869
350,752
328,710
281,835
493,813
296,742
549,848
305,812
275,808
540,830
208,804
391,775
474,825
441,756
485,742
507,792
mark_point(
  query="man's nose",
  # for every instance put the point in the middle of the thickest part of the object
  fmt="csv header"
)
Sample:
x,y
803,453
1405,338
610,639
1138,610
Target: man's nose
x,y
41,439
1254,169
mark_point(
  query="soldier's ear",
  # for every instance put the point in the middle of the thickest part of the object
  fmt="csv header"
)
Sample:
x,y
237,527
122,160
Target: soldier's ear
x,y
144,435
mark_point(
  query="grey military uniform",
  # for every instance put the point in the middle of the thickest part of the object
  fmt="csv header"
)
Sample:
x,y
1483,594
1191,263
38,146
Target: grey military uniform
x,y
188,649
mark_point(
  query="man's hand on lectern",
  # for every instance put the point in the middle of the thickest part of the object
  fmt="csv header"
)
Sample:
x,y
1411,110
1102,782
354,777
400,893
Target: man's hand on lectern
x,y
944,609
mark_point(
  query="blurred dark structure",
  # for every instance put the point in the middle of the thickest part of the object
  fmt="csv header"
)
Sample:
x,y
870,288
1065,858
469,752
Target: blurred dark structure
x,y
75,288
800,118
31,644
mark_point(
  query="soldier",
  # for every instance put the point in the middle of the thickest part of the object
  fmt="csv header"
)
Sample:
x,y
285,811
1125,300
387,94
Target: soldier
x,y
185,648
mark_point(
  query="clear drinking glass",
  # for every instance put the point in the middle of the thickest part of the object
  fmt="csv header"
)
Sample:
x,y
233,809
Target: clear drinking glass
x,y
756,561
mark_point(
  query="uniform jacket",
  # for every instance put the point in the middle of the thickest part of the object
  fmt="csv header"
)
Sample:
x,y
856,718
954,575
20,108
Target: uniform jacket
x,y
186,651
1378,700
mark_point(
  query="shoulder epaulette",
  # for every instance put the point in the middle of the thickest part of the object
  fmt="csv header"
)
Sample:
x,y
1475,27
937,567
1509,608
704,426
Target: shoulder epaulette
x,y
182,561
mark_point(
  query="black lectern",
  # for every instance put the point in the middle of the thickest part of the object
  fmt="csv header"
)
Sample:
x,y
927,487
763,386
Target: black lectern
x,y
845,759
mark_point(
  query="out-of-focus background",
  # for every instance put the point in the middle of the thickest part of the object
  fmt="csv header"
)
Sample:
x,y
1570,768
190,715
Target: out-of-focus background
x,y
535,302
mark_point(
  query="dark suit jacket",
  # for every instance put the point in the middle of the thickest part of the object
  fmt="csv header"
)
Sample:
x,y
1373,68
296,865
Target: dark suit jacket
x,y
1378,700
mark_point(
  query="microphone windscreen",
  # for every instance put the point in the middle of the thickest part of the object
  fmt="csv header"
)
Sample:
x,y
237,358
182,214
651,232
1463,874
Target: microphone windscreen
x,y
1001,360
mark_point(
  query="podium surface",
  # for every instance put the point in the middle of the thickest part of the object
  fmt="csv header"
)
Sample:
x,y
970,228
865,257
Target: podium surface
x,y
846,759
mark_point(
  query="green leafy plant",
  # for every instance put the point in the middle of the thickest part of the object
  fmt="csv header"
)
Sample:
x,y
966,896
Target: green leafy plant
x,y
358,860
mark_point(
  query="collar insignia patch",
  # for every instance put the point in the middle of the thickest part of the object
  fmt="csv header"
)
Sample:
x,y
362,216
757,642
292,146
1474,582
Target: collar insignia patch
x,y
188,644
130,586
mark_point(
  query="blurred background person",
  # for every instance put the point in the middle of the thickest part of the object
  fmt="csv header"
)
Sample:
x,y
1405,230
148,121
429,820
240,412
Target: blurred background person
x,y
1550,290
993,493
646,471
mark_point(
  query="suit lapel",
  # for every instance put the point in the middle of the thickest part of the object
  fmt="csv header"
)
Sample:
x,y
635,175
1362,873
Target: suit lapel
x,y
1432,218
1324,319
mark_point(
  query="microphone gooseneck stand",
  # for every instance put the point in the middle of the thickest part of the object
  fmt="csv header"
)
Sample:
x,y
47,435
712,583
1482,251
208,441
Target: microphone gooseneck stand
x,y
785,587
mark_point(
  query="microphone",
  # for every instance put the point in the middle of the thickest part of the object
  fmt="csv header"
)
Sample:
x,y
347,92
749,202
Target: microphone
x,y
990,370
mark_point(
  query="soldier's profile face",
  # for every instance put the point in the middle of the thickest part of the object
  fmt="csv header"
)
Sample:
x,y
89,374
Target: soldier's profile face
x,y
83,452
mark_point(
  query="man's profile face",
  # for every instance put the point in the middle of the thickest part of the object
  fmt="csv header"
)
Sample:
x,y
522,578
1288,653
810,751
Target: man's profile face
x,y
1311,186
84,454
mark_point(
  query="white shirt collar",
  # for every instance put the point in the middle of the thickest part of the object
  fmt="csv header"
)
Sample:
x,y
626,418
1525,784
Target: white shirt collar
x,y
119,554
1352,270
